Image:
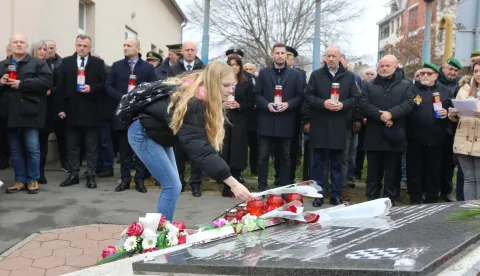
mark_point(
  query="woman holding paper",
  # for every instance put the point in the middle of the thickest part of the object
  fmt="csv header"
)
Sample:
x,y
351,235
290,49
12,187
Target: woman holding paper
x,y
467,140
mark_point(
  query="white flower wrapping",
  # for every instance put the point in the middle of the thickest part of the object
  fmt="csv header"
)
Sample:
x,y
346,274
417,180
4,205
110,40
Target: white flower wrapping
x,y
282,213
307,188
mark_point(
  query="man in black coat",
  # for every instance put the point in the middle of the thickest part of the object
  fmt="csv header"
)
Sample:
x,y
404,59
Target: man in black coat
x,y
277,117
427,128
329,118
385,102
23,108
117,85
155,59
174,53
79,105
187,64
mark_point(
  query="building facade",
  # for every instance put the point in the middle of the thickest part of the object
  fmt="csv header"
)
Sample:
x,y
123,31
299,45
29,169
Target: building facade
x,y
155,23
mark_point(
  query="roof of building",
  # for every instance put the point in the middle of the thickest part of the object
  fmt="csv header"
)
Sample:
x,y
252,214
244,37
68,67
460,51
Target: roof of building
x,y
179,10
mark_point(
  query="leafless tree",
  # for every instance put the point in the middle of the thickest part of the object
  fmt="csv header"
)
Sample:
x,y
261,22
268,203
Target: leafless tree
x,y
255,25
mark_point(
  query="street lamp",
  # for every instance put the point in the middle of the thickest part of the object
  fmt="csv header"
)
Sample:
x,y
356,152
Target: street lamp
x,y
205,38
427,31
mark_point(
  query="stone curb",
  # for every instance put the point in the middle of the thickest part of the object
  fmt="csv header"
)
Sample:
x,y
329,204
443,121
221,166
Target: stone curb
x,y
18,245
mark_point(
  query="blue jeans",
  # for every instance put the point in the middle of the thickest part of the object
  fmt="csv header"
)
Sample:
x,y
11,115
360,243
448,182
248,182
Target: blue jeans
x,y
336,156
25,153
160,161
105,147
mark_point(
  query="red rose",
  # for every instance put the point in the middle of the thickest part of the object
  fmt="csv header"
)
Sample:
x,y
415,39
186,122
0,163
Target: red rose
x,y
180,225
163,219
149,250
312,218
182,239
292,209
135,229
109,251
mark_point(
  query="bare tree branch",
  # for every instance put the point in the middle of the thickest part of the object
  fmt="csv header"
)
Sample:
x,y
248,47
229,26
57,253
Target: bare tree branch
x,y
255,25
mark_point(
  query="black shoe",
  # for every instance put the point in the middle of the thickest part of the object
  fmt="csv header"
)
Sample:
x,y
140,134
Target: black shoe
x,y
71,180
448,198
158,184
183,187
105,173
351,185
91,183
140,186
276,182
317,202
227,191
241,180
125,185
336,201
196,192
42,180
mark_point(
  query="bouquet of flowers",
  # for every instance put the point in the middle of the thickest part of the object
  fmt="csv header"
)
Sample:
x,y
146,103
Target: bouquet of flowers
x,y
151,233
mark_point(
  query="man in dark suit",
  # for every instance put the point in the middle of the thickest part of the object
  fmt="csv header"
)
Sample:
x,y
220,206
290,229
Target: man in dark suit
x,y
328,119
277,115
186,64
118,85
79,106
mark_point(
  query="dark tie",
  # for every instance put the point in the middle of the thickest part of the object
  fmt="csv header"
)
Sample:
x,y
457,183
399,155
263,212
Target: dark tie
x,y
189,68
131,67
83,62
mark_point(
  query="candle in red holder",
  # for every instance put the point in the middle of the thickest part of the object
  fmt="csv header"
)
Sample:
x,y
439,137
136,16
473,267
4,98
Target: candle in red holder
x,y
437,104
12,72
230,215
294,196
255,207
277,95
80,78
275,201
335,92
241,211
132,82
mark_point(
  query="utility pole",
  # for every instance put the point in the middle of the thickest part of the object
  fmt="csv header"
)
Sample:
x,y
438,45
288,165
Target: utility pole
x,y
316,37
206,37
427,31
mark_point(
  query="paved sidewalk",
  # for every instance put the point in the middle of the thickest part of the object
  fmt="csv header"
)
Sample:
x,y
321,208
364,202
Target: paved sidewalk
x,y
61,251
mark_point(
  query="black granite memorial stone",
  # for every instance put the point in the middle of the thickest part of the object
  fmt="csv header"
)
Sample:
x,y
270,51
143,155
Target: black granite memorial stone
x,y
412,240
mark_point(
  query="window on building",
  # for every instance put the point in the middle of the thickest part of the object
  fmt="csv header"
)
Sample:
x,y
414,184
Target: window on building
x,y
384,31
413,17
130,33
82,18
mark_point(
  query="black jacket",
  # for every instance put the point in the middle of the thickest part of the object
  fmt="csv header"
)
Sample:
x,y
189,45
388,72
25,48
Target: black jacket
x,y
155,120
281,124
235,144
50,113
328,129
117,82
82,109
192,137
179,68
163,69
26,106
397,99
422,126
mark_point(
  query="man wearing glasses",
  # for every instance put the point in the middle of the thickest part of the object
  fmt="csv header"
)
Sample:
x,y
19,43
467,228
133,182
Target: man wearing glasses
x,y
426,136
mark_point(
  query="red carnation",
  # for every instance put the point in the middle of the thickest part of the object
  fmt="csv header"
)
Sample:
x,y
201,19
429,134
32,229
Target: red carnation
x,y
162,221
180,225
135,229
182,239
109,251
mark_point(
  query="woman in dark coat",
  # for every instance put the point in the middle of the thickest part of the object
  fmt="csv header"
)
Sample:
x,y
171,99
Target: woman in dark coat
x,y
235,143
38,49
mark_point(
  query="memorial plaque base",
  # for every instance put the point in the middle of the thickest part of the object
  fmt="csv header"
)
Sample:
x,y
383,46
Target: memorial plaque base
x,y
412,240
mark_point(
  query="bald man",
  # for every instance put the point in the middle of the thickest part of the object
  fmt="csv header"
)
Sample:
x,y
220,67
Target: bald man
x,y
23,110
326,115
117,85
188,62
386,102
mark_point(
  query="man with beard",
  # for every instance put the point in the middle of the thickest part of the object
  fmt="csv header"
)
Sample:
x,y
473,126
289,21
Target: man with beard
x,y
385,102
448,76
426,133
278,95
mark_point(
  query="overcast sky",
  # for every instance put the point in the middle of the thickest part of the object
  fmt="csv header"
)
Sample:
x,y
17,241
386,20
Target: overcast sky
x,y
365,30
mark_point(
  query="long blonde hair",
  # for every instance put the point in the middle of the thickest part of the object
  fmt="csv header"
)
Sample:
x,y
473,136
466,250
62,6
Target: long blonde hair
x,y
210,79
475,85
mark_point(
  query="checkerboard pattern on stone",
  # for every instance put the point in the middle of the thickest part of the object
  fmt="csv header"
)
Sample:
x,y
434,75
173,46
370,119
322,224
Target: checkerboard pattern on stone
x,y
61,251
375,253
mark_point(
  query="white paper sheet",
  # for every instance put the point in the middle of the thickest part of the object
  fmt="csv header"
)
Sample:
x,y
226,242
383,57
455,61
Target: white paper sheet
x,y
465,108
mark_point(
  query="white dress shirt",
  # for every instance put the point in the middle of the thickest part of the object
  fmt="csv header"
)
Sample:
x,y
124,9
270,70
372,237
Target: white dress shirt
x,y
79,61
